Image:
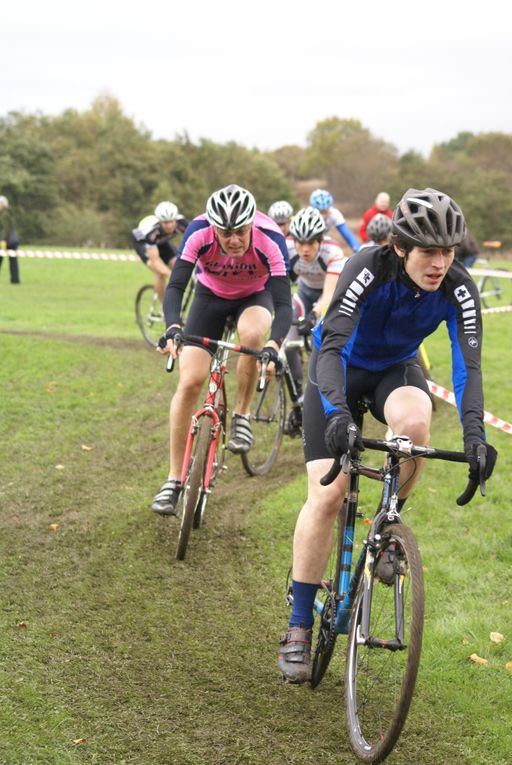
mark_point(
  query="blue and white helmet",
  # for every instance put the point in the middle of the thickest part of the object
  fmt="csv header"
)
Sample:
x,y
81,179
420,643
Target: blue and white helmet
x,y
321,199
231,207
280,211
166,211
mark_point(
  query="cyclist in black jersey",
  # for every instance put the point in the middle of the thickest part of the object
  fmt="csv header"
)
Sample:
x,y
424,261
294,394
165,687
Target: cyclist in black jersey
x,y
152,242
387,300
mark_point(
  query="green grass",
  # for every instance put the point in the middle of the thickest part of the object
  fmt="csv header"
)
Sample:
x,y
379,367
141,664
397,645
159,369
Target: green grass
x,y
104,637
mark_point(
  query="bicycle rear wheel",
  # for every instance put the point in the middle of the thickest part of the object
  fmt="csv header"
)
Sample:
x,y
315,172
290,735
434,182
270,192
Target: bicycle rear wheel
x,y
192,492
268,412
149,314
379,681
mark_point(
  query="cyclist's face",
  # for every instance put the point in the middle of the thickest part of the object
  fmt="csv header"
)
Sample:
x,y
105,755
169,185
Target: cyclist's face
x,y
236,241
285,227
169,226
307,250
427,267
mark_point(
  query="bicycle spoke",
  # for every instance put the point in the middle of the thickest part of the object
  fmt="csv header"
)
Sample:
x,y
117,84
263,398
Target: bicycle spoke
x,y
380,681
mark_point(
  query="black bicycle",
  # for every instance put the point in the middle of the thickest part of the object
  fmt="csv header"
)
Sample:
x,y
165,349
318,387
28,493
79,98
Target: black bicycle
x,y
269,421
377,600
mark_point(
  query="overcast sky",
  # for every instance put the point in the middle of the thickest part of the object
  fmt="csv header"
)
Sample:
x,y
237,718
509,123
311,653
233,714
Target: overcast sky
x,y
264,73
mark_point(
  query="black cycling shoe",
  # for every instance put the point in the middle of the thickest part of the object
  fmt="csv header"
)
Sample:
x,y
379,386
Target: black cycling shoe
x,y
166,501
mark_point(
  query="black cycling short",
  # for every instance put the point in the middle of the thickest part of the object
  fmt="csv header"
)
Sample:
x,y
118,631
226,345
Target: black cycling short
x,y
374,386
208,312
166,250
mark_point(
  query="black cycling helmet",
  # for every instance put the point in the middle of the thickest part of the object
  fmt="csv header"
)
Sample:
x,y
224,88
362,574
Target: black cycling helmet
x,y
379,227
428,218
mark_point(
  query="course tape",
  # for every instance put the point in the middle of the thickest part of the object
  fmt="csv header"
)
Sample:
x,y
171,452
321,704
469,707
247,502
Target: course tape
x,y
449,396
490,272
497,309
70,255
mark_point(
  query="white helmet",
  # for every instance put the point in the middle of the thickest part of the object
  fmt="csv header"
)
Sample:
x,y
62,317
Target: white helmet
x,y
4,201
231,207
166,211
280,211
308,224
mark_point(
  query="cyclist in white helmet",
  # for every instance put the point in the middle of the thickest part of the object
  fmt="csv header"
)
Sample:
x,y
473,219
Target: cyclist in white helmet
x,y
242,271
334,218
315,265
151,241
281,212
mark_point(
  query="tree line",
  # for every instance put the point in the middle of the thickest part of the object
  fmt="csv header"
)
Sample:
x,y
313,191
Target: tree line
x,y
88,177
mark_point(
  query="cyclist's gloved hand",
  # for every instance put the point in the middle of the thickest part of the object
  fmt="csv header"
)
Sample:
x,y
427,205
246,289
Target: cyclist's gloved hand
x,y
273,355
490,459
305,327
174,333
337,435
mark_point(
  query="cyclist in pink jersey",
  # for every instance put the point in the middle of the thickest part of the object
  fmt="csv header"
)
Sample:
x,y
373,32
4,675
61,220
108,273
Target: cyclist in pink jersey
x,y
241,265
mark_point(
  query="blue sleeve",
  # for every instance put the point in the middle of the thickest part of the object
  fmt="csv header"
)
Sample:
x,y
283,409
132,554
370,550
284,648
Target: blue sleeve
x,y
349,237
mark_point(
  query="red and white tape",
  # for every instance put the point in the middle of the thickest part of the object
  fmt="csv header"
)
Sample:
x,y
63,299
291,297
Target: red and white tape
x,y
60,255
449,396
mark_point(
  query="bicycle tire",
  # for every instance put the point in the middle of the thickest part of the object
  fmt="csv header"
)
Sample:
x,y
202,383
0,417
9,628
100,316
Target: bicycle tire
x,y
326,635
268,414
149,315
192,492
379,683
218,460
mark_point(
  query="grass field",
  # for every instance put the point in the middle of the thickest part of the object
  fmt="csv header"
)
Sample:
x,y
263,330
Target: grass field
x,y
115,654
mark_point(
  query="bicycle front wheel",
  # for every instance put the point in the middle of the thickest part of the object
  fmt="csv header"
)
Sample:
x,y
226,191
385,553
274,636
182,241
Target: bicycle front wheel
x,y
149,314
268,412
193,490
381,670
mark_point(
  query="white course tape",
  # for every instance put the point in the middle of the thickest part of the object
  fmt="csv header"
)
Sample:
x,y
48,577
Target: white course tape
x,y
57,254
490,272
449,396
497,309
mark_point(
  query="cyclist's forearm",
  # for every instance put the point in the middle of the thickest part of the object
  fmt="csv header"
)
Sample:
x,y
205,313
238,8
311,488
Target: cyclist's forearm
x,y
349,237
173,297
283,315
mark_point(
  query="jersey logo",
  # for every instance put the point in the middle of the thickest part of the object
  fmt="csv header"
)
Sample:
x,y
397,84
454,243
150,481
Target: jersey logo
x,y
354,291
468,310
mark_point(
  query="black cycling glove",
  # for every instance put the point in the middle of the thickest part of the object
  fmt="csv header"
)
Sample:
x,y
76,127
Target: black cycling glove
x,y
490,459
305,327
173,333
337,436
273,355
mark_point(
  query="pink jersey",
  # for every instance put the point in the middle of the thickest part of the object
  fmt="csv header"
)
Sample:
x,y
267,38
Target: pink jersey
x,y
235,278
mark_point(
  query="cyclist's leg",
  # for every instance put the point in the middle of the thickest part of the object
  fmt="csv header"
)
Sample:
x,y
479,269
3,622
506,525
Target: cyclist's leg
x,y
403,399
311,543
204,319
253,323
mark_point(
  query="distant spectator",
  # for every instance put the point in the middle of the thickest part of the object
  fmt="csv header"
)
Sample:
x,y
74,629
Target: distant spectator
x,y
334,218
381,205
467,251
9,238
